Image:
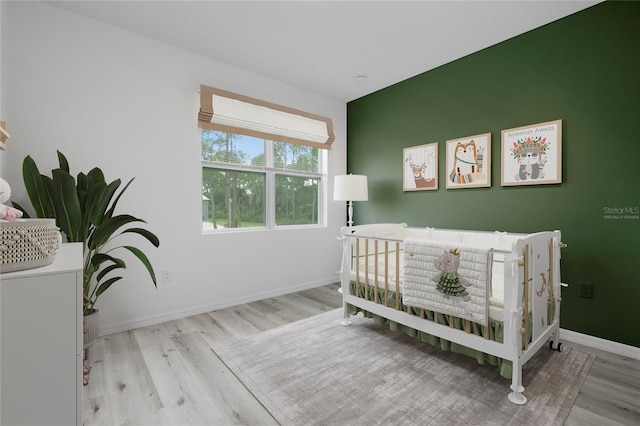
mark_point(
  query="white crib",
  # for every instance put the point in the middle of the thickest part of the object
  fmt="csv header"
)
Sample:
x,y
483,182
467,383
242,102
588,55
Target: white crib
x,y
382,265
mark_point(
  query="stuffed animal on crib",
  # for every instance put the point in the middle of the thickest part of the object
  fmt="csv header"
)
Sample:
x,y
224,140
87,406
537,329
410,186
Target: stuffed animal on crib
x,y
7,213
449,283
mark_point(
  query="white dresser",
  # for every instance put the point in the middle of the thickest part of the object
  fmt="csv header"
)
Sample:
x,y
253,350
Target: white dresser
x,y
41,342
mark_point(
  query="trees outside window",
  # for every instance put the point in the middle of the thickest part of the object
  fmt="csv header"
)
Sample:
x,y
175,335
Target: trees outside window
x,y
249,182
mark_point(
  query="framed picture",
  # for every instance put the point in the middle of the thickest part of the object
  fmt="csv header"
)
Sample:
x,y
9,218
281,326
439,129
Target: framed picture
x,y
469,162
3,135
532,155
420,168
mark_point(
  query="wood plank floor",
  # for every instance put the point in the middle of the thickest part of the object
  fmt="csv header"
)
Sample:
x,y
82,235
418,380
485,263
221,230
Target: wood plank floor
x,y
166,374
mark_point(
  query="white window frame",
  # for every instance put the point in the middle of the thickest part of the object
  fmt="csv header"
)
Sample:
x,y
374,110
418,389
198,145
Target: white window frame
x,y
270,173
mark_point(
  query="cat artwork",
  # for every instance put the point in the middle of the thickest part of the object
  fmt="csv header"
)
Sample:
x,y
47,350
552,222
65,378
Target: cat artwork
x,y
467,163
530,155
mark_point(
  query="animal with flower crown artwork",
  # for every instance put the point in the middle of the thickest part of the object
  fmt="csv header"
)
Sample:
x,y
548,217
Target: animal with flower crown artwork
x,y
449,282
530,153
6,212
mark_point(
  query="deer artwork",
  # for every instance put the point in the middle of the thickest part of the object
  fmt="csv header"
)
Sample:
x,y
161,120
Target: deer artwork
x,y
418,176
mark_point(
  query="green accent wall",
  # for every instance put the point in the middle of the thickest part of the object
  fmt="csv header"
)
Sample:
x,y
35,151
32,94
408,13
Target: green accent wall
x,y
583,69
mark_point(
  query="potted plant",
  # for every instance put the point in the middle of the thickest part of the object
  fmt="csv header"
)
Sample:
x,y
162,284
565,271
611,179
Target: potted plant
x,y
84,210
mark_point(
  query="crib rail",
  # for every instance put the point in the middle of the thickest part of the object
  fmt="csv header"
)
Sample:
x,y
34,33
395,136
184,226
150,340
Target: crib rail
x,y
364,249
365,252
371,259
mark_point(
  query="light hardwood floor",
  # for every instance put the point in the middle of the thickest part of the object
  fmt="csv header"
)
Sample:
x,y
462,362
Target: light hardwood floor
x,y
167,374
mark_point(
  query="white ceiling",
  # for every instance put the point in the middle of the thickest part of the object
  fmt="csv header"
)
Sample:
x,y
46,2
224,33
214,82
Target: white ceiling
x,y
321,46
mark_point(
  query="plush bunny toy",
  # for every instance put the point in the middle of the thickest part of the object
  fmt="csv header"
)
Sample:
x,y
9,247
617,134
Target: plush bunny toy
x,y
7,213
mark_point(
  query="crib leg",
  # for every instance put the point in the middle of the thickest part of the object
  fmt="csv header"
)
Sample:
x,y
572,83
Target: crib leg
x,y
516,395
346,320
555,342
555,346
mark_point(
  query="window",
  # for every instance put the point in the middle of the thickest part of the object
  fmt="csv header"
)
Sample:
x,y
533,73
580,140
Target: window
x,y
263,165
251,182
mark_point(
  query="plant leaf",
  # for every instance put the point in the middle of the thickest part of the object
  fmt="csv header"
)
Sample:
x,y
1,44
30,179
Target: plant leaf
x,y
109,214
66,204
91,203
99,258
95,175
153,239
98,214
36,189
64,164
106,270
105,285
82,182
107,228
48,186
145,261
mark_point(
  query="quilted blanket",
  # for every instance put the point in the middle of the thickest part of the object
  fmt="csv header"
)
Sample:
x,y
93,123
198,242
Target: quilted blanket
x,y
450,278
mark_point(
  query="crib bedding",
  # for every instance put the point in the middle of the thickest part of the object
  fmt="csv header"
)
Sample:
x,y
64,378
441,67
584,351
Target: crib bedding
x,y
451,278
376,277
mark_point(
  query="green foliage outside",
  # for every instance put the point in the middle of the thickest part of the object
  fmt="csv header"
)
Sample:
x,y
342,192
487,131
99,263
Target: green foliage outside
x,y
237,198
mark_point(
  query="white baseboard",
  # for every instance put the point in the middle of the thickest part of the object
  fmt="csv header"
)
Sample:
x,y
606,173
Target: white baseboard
x,y
117,327
601,344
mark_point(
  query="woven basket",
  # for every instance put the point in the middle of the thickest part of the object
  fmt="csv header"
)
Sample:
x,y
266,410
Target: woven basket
x,y
28,243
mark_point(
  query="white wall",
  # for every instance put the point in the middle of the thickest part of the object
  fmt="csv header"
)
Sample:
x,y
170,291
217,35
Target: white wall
x,y
2,156
109,98
2,62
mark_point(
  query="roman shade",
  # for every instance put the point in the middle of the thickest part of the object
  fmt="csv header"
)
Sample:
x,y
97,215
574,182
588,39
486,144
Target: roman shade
x,y
232,113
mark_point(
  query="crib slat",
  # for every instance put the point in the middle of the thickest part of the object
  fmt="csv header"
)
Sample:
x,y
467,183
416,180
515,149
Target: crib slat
x,y
366,269
485,333
357,267
375,270
386,273
397,276
467,326
525,301
422,314
450,321
550,298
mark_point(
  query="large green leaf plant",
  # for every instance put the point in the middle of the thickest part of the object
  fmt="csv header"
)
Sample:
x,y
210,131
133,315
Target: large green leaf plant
x,y
84,210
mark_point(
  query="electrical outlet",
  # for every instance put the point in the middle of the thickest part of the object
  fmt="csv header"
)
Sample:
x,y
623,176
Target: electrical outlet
x,y
167,275
586,290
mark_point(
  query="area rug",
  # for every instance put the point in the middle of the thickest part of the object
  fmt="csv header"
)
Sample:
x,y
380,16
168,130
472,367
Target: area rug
x,y
315,371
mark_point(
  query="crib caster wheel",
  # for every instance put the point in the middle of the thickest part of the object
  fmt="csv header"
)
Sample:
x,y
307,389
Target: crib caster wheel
x,y
559,348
